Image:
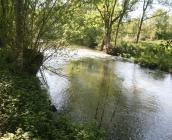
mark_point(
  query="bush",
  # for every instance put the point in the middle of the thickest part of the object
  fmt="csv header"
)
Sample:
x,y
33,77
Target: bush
x,y
18,135
24,105
152,55
70,130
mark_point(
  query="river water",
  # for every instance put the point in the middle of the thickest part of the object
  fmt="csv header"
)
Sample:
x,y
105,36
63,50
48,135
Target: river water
x,y
129,102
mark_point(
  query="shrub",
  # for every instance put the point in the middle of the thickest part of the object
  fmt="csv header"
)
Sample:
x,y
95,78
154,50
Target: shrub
x,y
147,54
24,105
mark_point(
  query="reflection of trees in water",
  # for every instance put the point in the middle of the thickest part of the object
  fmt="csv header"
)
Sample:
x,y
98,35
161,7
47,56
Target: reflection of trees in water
x,y
96,93
155,74
83,87
104,93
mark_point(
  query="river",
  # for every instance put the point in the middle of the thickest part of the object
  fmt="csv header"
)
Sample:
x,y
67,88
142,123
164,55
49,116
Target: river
x,y
129,102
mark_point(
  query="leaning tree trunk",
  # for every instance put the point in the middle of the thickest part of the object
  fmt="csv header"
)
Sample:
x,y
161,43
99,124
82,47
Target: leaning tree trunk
x,y
140,27
139,31
19,32
117,30
116,34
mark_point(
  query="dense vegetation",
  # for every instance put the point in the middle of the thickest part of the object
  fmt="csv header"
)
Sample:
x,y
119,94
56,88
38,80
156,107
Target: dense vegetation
x,y
147,54
25,111
110,27
29,28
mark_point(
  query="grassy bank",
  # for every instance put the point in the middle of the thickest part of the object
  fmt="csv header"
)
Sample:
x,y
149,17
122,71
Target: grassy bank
x,y
154,55
25,111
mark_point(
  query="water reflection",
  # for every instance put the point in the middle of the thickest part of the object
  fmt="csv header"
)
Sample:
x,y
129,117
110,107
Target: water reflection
x,y
131,103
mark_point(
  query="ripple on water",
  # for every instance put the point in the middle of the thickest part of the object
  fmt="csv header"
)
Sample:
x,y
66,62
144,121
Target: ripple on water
x,y
130,102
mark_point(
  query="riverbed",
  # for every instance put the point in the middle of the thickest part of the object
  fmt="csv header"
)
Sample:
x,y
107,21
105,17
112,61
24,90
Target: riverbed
x,y
129,102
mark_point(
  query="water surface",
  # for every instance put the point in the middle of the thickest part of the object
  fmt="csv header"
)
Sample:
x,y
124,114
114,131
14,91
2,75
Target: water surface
x,y
130,102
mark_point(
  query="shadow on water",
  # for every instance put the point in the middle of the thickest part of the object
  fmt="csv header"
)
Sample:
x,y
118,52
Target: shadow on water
x,y
131,103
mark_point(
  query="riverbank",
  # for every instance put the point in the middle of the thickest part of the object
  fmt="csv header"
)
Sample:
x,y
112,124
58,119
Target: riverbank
x,y
147,54
24,107
25,111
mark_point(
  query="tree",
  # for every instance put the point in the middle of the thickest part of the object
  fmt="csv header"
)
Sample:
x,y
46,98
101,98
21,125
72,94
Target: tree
x,y
110,13
19,32
27,25
146,5
127,6
83,26
161,24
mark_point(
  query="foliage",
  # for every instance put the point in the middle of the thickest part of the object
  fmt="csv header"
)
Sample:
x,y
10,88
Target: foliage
x,y
31,25
32,60
25,110
18,135
70,130
152,55
24,105
83,26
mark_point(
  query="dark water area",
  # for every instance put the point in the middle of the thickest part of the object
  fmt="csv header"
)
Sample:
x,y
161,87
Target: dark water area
x,y
129,102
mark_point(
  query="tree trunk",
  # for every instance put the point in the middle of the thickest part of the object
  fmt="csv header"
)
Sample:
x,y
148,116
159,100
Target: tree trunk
x,y
117,30
145,6
3,23
140,28
106,43
102,45
19,32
